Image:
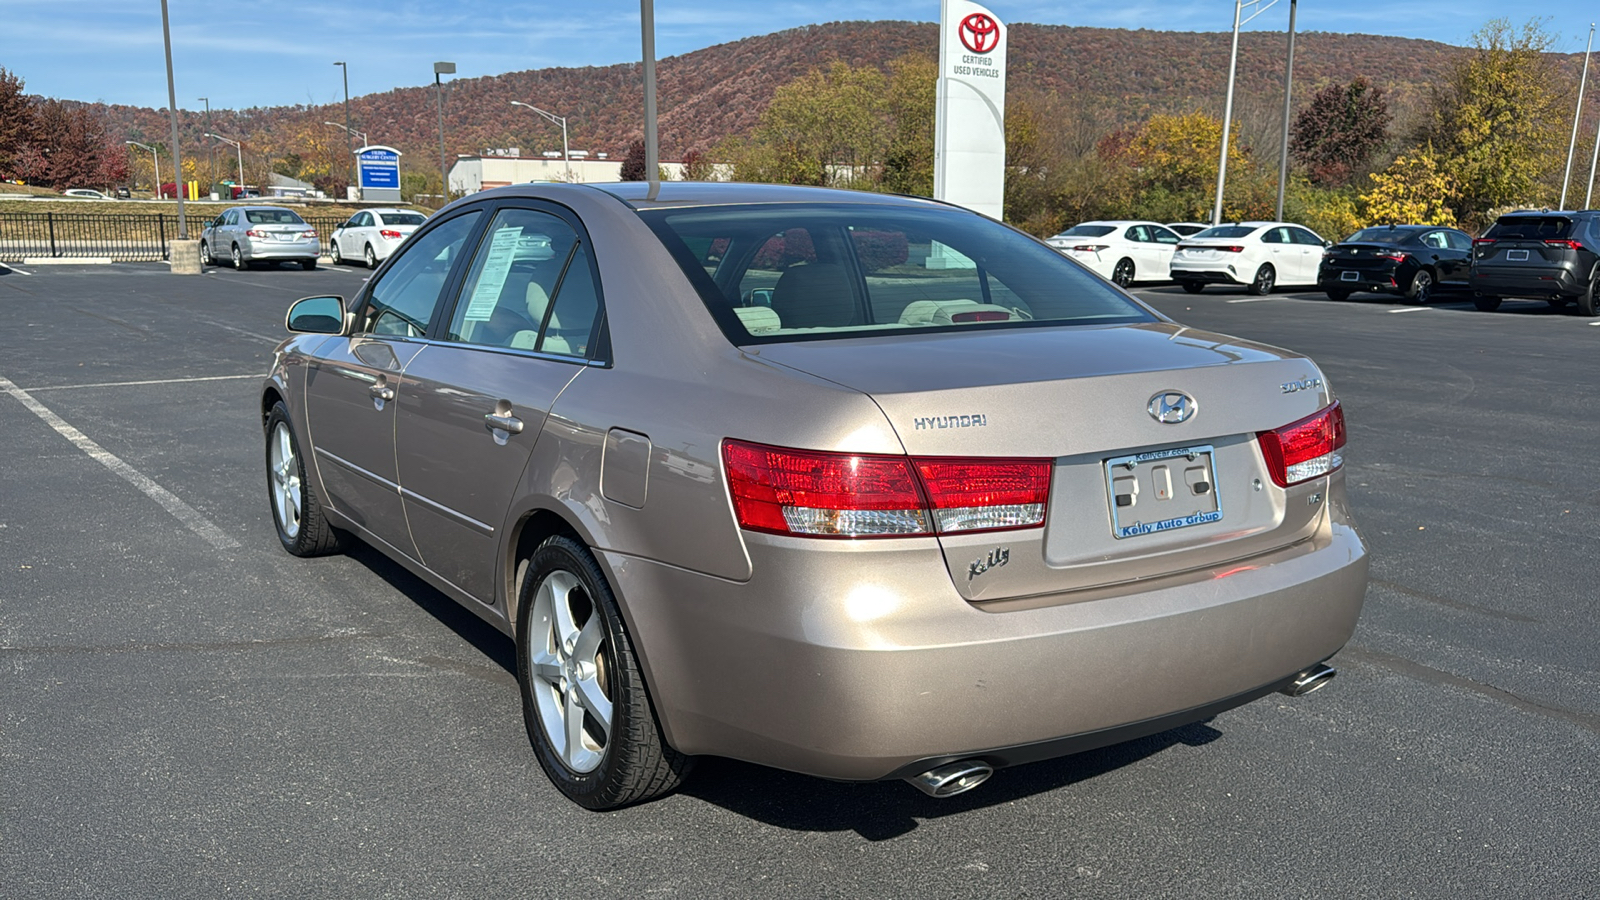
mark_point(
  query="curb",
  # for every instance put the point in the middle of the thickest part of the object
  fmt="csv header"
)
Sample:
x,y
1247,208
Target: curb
x,y
66,261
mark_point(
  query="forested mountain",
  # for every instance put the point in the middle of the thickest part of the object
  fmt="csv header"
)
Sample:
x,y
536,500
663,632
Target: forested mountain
x,y
1110,76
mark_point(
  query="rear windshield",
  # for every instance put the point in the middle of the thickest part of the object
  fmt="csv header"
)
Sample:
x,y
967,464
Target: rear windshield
x,y
1228,231
403,218
1379,236
1536,228
272,217
1087,231
800,272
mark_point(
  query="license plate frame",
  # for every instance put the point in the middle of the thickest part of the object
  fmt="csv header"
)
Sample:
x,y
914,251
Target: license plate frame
x,y
1349,276
1516,256
1145,511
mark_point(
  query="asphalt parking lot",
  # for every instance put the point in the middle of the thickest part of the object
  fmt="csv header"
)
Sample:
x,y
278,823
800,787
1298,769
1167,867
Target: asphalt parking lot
x,y
187,711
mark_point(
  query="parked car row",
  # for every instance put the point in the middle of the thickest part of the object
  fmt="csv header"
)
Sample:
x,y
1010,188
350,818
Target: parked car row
x,y
244,235
1553,256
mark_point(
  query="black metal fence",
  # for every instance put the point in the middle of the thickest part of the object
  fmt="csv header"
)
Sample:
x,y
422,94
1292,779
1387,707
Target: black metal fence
x,y
121,238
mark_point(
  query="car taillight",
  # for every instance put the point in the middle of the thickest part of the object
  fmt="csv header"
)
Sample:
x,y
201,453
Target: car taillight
x,y
1091,248
819,494
390,234
310,233
1233,249
1570,245
1306,449
1393,257
1478,241
255,234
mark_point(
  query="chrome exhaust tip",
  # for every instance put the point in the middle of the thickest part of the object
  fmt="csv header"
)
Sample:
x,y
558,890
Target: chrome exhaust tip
x,y
1309,680
954,778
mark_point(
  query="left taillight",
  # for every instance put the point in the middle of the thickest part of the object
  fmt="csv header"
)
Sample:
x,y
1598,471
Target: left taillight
x,y
1307,449
848,495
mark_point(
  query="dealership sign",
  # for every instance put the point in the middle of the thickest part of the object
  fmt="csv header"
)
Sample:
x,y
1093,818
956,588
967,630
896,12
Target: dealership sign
x,y
969,152
378,169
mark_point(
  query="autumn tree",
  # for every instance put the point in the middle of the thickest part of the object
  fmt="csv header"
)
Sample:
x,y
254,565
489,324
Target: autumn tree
x,y
913,97
16,121
697,166
1336,134
633,165
1415,189
827,127
1174,158
1499,119
67,146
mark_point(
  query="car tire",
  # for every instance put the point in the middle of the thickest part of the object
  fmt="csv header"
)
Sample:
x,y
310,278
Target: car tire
x,y
574,658
296,509
238,258
308,264
1339,295
1421,289
205,255
334,254
1193,287
1262,284
1122,275
1485,303
1589,300
370,257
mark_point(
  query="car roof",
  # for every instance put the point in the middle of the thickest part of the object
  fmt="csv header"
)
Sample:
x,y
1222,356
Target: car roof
x,y
666,194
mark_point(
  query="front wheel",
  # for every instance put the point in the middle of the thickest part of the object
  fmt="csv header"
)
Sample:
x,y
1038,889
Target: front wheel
x,y
1485,303
334,254
296,510
1122,275
205,255
1193,287
584,701
1421,290
1261,285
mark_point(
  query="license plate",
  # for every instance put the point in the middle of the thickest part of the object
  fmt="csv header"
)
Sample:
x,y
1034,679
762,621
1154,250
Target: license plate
x,y
1516,255
1349,276
286,236
1162,490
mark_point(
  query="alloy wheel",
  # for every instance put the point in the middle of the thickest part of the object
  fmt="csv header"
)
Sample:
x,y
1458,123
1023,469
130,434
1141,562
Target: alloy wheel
x,y
372,258
1421,287
1123,275
568,658
284,469
238,257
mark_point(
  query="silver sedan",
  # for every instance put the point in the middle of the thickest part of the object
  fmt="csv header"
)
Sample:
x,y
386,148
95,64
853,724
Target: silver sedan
x,y
858,486
244,235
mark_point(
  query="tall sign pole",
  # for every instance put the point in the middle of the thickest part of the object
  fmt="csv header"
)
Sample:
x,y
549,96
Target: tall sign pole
x,y
1288,95
1577,114
442,68
172,113
652,149
969,144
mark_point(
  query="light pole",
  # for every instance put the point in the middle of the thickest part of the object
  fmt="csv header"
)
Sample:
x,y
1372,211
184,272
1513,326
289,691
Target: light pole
x,y
1227,109
1288,93
442,68
559,120
356,132
348,133
652,148
172,113
1576,115
155,160
211,156
238,147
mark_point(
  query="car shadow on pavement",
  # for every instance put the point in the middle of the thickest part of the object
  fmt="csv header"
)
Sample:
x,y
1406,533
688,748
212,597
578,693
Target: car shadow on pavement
x,y
881,811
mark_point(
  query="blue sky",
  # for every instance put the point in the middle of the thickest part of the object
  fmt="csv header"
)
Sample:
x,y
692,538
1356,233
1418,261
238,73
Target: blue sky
x,y
244,53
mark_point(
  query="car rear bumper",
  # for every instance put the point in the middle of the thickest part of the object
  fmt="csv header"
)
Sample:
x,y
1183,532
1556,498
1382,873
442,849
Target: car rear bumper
x,y
1384,282
1526,281
1214,273
861,662
281,249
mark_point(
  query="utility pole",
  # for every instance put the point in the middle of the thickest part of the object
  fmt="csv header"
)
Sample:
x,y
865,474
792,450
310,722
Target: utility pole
x,y
1288,93
1227,109
348,134
211,150
652,148
172,113
1577,114
442,68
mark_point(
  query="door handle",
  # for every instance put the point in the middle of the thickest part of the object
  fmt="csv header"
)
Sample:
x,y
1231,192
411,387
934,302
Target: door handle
x,y
508,423
381,392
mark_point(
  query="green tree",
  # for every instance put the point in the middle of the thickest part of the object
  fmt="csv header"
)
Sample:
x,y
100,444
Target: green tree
x,y
827,127
1339,130
1174,158
1499,119
912,102
1415,189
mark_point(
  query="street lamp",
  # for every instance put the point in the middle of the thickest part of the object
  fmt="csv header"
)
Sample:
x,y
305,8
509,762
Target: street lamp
x,y
442,68
1256,9
211,156
349,134
172,116
154,160
238,147
559,120
1288,93
357,132
647,37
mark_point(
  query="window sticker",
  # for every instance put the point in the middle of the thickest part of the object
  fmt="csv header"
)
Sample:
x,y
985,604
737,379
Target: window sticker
x,y
492,279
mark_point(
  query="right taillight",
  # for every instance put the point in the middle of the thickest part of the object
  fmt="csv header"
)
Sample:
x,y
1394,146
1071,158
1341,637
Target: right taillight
x,y
852,495
1303,450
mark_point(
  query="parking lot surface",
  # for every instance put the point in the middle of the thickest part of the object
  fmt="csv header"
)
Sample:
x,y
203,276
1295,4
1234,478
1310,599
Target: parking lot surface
x,y
187,711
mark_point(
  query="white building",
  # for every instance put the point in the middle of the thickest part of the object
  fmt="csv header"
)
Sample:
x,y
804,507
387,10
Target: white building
x,y
471,174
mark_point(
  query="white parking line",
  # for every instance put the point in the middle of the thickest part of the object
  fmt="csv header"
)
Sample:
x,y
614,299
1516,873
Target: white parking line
x,y
15,269
106,384
1594,323
1249,300
169,501
1408,309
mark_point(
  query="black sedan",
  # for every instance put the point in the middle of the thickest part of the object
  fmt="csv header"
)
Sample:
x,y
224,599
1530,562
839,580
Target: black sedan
x,y
1408,260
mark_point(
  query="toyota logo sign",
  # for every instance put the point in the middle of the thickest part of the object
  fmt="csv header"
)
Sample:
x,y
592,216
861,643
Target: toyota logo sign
x,y
979,33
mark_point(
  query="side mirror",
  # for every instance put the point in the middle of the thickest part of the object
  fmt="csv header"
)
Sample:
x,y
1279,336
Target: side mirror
x,y
1327,244
316,315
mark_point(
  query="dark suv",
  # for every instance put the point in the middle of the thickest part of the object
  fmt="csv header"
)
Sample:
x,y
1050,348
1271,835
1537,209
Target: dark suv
x,y
1553,256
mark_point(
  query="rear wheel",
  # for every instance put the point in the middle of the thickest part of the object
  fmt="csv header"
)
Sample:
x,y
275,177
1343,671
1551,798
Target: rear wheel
x,y
584,701
308,264
371,257
1338,295
1421,289
1485,302
1589,302
1265,278
1123,273
1192,287
296,509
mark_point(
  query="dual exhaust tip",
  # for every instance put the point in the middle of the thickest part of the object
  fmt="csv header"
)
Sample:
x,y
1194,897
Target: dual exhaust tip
x,y
959,777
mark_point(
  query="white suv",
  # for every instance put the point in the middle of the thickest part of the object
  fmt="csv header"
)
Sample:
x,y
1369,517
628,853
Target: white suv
x,y
1260,255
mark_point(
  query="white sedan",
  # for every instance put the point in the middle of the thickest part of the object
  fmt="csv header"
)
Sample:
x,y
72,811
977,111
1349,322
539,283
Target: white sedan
x,y
1120,251
1259,255
372,235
